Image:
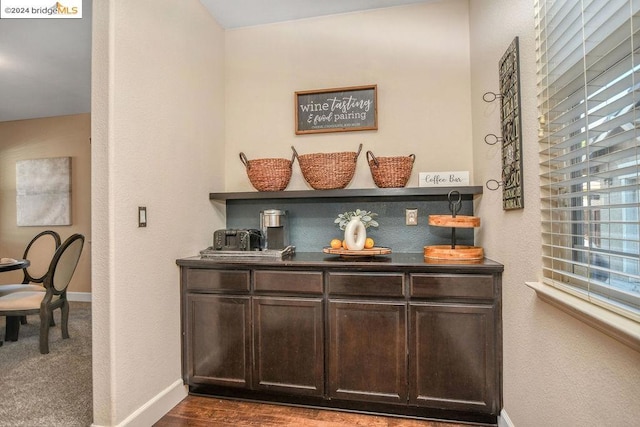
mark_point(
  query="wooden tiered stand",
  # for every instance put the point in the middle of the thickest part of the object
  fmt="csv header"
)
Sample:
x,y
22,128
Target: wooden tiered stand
x,y
454,252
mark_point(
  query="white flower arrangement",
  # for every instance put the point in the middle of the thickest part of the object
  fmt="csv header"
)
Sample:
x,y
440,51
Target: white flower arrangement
x,y
367,218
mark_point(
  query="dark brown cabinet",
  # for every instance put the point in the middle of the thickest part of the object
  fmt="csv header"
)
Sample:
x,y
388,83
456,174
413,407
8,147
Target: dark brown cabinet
x,y
367,351
367,336
452,357
271,339
288,332
218,340
289,345
399,337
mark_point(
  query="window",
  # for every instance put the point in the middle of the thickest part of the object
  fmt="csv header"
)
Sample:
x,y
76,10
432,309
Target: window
x,y
589,101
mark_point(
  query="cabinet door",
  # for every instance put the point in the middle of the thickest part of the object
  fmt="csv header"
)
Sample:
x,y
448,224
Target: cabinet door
x,y
218,340
367,351
452,360
289,345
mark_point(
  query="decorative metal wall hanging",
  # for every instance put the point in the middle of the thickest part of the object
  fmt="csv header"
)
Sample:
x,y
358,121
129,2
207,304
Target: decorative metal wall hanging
x,y
511,122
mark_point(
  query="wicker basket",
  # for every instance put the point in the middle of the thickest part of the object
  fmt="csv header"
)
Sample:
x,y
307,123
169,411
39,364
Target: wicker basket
x,y
268,174
390,172
328,171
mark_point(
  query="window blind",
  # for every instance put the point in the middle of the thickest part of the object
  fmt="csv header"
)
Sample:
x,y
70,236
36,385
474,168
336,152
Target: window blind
x,y
588,68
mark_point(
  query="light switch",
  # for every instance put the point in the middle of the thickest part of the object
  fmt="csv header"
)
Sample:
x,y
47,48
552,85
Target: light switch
x,y
142,216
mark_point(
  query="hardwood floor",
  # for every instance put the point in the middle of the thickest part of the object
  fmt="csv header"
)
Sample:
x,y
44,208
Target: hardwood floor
x,y
210,411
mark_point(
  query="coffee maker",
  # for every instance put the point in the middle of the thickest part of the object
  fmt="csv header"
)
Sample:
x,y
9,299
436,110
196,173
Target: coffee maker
x,y
274,226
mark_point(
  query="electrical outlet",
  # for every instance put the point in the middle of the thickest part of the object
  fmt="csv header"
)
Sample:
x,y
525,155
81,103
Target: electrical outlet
x,y
411,216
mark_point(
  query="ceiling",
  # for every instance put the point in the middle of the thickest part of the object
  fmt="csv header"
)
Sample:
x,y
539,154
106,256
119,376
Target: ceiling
x,y
244,13
45,64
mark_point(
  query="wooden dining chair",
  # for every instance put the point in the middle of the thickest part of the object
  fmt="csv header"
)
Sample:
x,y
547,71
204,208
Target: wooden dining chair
x,y
56,281
39,252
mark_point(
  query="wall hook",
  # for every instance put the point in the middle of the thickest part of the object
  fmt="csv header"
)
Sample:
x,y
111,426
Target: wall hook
x,y
492,139
493,184
491,96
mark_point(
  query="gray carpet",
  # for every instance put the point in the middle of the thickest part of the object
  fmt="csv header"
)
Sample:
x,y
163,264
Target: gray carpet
x,y
48,389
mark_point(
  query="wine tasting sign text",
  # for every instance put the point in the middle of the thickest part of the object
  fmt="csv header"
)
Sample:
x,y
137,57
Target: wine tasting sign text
x,y
336,110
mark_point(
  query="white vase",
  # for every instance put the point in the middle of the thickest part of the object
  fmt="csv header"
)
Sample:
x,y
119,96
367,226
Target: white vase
x,y
355,234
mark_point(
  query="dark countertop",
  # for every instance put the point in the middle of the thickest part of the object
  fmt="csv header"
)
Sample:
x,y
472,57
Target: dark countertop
x,y
404,261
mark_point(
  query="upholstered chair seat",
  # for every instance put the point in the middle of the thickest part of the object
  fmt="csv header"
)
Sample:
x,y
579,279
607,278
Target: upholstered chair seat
x,y
9,289
28,300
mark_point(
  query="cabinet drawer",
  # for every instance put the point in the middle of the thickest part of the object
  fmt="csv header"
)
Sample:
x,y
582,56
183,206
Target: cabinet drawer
x,y
217,280
367,284
452,286
308,282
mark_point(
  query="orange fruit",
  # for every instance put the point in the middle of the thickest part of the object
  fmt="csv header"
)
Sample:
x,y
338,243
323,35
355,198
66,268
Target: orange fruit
x,y
336,243
344,244
368,243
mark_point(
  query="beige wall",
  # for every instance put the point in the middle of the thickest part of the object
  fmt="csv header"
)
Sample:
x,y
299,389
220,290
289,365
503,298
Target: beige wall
x,y
557,370
417,55
158,132
41,138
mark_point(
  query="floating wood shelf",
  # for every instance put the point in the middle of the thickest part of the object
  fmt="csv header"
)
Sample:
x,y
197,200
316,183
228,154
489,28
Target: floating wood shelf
x,y
359,193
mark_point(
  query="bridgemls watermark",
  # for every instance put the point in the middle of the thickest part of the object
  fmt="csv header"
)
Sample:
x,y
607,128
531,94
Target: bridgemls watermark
x,y
40,9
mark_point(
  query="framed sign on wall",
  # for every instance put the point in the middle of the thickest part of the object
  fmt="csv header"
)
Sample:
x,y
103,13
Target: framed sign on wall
x,y
336,110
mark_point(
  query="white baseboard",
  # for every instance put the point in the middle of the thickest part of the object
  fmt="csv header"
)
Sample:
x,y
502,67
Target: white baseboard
x,y
79,296
504,420
149,413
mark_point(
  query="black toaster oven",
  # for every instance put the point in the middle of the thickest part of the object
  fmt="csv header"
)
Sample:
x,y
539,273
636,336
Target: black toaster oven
x,y
237,240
